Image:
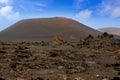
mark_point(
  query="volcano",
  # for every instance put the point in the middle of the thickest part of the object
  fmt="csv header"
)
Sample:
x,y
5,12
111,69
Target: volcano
x,y
46,28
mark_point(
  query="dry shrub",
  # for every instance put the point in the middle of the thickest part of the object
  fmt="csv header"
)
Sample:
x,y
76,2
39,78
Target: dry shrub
x,y
58,39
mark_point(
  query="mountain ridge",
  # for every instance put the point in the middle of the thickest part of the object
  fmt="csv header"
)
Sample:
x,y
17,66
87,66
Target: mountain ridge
x,y
46,29
110,30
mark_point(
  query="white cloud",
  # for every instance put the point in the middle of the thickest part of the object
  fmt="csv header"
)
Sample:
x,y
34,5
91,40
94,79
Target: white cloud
x,y
8,12
116,12
78,3
111,7
84,14
4,1
41,4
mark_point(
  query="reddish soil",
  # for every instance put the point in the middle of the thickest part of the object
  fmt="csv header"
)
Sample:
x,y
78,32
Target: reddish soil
x,y
46,28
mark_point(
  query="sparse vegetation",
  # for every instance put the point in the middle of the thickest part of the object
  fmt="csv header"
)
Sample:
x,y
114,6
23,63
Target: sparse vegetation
x,y
58,39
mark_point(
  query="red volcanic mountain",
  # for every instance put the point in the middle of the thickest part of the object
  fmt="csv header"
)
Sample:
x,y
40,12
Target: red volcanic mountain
x,y
115,31
46,29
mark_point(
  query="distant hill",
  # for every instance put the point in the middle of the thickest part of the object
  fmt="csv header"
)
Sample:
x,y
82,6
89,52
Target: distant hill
x,y
115,31
46,29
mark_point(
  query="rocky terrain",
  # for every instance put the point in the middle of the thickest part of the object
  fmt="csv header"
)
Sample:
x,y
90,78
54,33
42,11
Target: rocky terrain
x,y
92,58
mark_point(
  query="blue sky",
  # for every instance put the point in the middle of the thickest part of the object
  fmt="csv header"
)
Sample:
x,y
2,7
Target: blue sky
x,y
94,13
